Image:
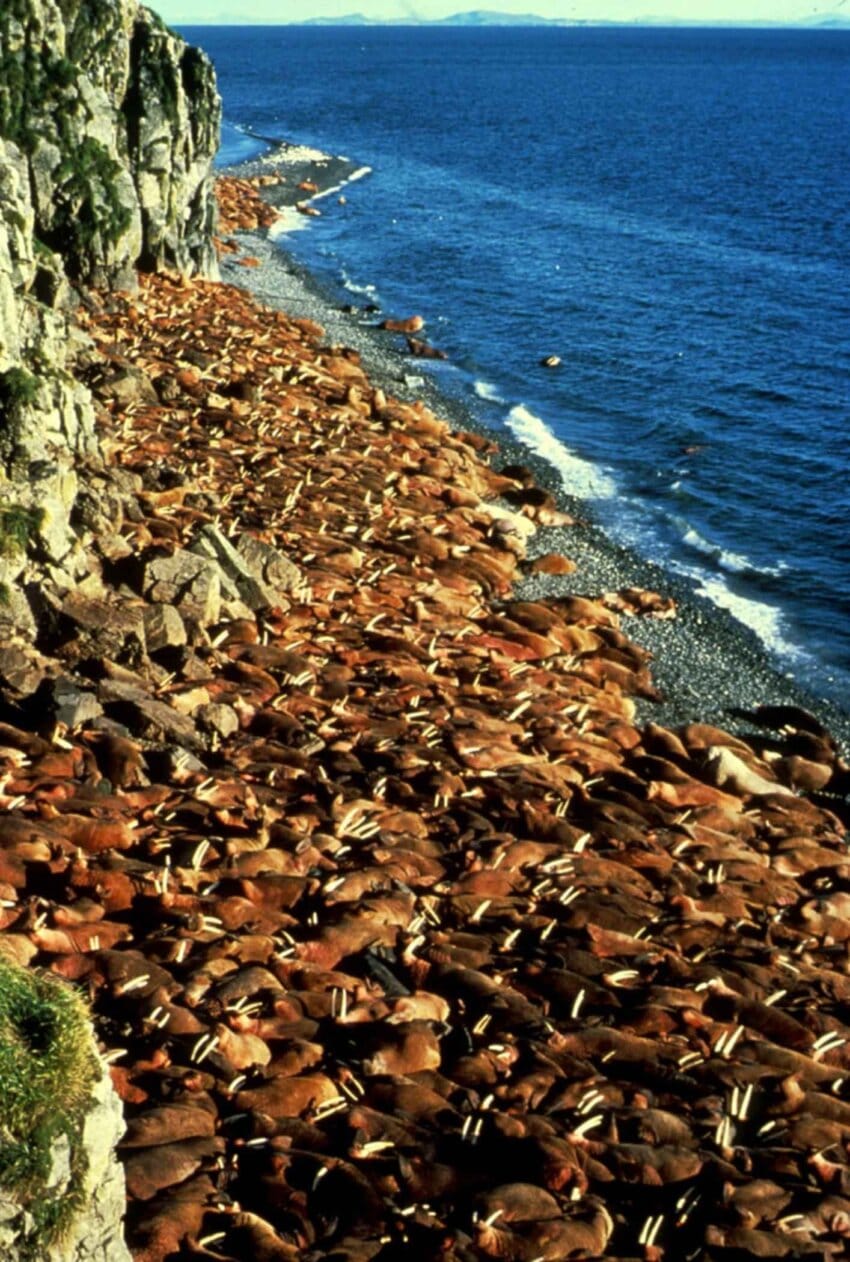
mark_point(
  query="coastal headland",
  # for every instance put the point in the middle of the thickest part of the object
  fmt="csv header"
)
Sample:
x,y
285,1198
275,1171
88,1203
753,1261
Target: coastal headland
x,y
415,921
402,933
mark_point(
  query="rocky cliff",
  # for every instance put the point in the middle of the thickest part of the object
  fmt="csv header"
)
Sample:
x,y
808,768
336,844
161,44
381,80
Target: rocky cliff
x,y
108,125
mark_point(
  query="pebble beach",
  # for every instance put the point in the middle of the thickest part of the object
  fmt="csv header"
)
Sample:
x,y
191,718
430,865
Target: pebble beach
x,y
706,662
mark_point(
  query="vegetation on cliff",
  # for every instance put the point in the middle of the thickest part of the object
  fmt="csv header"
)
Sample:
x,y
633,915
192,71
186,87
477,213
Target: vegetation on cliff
x,y
118,122
47,1070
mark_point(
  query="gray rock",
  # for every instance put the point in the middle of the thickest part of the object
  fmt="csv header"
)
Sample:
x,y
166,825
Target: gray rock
x,y
249,586
146,716
189,582
268,565
164,627
221,719
20,670
130,385
106,165
16,614
96,1234
70,704
108,628
123,690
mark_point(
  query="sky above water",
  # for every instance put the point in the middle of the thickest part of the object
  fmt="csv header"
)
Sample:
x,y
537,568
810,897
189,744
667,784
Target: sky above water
x,y
240,11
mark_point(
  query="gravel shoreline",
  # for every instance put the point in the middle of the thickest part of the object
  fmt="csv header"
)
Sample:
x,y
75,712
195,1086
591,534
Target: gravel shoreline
x,y
706,665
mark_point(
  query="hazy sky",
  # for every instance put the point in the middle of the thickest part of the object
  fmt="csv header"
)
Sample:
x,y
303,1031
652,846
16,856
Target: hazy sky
x,y
200,11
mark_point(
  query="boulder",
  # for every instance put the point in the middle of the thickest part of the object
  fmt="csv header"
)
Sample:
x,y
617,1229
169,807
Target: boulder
x,y
268,565
164,628
191,583
104,628
245,583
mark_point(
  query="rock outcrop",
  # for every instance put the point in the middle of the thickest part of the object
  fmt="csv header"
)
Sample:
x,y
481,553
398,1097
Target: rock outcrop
x,y
117,119
108,126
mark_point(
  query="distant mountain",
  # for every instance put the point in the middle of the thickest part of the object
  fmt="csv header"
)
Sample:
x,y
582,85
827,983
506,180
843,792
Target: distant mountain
x,y
350,19
490,17
474,17
832,21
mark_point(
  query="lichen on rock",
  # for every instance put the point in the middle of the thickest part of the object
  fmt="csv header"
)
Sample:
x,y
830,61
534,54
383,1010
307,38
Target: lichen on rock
x,y
108,127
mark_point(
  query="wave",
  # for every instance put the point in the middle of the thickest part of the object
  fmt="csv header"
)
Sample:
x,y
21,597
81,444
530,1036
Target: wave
x,y
580,477
288,220
733,562
712,412
359,174
771,396
486,391
764,619
725,559
353,287
286,153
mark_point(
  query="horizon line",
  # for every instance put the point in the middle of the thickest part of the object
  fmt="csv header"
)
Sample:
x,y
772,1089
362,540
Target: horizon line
x,y
660,23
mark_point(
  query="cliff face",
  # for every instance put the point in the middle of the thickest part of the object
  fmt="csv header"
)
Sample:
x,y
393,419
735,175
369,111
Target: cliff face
x,y
108,126
118,121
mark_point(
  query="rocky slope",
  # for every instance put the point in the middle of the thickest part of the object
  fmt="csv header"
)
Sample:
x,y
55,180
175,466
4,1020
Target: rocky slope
x,y
108,124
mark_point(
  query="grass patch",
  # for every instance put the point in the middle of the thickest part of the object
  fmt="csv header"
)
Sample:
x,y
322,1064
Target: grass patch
x,y
47,1070
18,525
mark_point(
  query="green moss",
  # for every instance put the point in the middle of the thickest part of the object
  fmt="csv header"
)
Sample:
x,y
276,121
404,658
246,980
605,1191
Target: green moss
x,y
88,207
39,97
17,386
34,81
18,525
47,1071
89,29
5,595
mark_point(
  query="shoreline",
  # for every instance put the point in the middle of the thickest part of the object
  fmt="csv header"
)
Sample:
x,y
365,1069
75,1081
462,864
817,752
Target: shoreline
x,y
705,662
363,860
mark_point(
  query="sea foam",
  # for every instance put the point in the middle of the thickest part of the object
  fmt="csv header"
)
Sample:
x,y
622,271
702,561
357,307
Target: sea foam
x,y
765,620
288,220
485,390
359,174
731,562
580,477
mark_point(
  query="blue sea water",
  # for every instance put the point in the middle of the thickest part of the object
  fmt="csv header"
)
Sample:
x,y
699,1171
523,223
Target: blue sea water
x,y
666,210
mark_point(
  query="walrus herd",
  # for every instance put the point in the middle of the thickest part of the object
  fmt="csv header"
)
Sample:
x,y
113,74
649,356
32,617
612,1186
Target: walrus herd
x,y
403,938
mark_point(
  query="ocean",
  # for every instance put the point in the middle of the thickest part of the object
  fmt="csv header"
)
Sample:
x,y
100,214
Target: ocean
x,y
665,210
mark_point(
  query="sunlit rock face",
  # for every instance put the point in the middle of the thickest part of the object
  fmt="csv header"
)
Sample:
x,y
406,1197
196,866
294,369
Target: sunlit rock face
x,y
118,121
108,126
